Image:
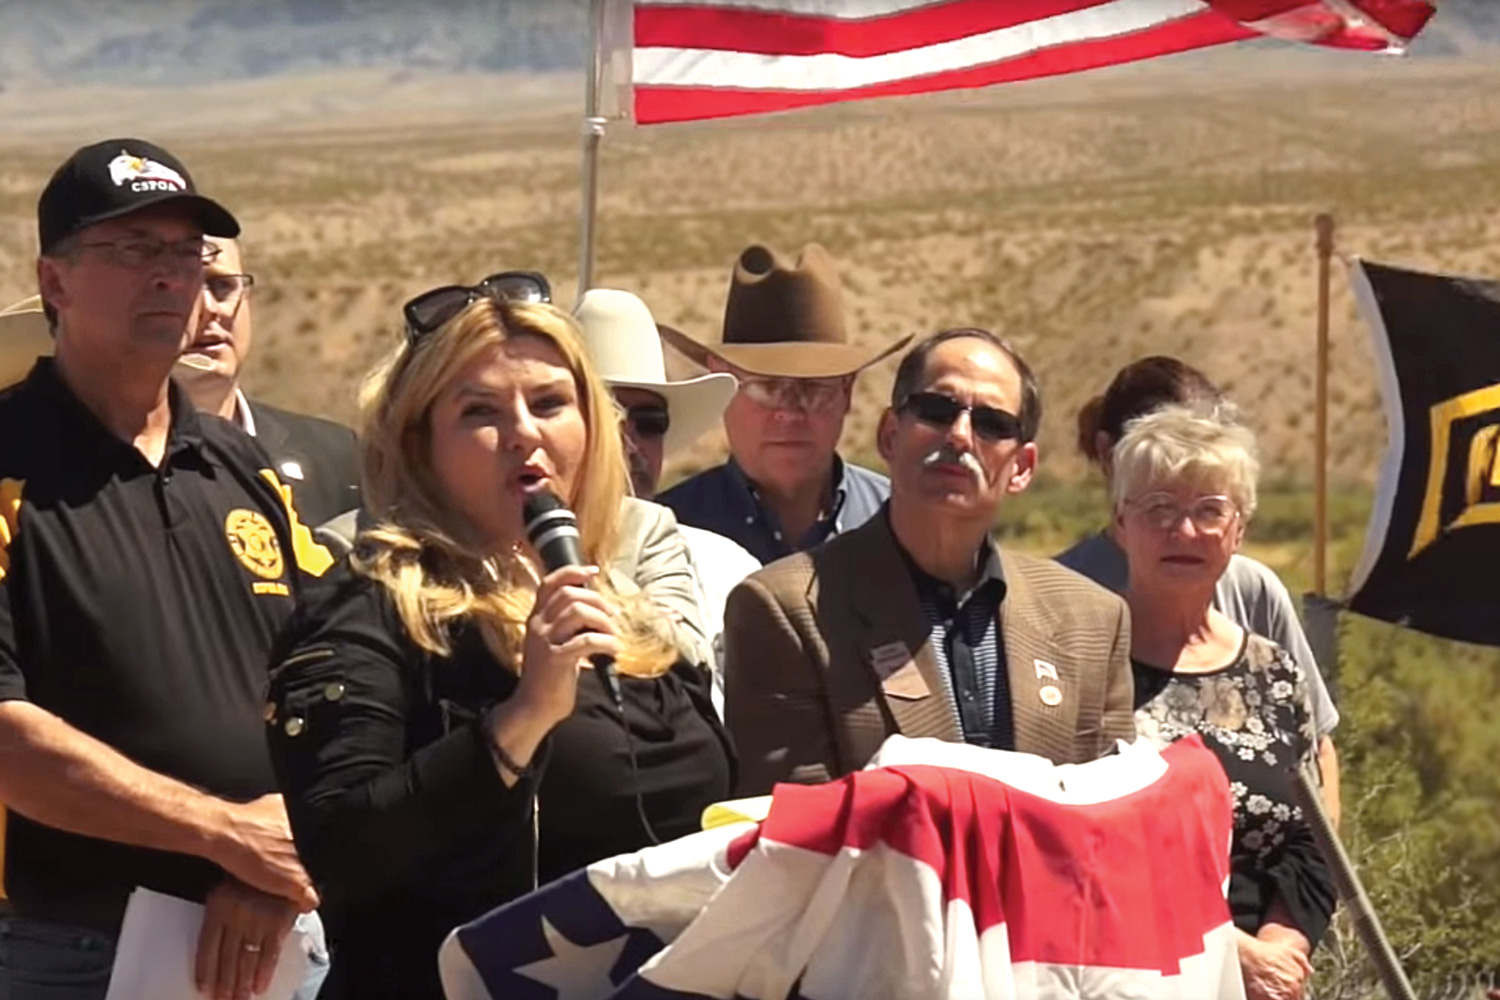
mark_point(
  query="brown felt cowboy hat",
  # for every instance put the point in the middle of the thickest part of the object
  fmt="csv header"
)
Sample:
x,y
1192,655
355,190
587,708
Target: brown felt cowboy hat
x,y
784,319
24,336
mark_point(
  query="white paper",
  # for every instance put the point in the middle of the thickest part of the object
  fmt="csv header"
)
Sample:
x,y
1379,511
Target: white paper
x,y
154,957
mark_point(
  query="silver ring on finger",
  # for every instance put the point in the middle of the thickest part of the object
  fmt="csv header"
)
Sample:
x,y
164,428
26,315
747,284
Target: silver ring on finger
x,y
251,947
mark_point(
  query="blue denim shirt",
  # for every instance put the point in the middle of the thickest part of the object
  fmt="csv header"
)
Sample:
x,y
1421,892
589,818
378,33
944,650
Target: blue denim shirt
x,y
723,500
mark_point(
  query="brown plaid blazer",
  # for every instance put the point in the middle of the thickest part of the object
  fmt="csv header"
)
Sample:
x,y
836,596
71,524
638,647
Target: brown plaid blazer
x,y
815,679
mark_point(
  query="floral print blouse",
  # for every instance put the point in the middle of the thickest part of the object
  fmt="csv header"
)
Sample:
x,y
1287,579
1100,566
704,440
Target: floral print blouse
x,y
1254,715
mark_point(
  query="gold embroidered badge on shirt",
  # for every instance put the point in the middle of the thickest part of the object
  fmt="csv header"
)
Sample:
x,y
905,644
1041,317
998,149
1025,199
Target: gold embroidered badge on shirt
x,y
253,540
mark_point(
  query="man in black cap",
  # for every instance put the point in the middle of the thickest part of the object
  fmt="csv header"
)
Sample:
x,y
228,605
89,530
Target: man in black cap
x,y
147,557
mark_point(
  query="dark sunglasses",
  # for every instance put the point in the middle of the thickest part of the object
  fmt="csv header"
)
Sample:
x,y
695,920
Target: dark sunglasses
x,y
430,310
649,421
941,410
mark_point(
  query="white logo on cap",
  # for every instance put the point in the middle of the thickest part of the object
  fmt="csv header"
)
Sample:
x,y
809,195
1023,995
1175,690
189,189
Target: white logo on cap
x,y
144,174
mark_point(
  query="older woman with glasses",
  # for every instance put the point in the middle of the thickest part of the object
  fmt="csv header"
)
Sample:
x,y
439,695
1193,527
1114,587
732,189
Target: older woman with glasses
x,y
1249,592
1183,491
432,717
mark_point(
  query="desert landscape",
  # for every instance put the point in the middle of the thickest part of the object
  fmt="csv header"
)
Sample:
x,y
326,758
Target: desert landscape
x,y
1160,208
1156,208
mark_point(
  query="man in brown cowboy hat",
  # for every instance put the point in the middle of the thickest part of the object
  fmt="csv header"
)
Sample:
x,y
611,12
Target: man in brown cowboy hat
x,y
784,488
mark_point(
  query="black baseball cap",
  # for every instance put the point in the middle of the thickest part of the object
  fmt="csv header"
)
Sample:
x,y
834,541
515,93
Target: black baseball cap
x,y
114,178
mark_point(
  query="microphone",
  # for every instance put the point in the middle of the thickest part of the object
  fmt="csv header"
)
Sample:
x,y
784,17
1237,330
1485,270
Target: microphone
x,y
553,532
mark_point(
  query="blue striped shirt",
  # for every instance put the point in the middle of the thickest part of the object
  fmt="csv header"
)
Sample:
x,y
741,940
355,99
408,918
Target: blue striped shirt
x,y
966,642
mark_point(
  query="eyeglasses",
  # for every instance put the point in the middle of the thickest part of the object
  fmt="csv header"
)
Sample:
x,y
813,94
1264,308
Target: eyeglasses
x,y
812,395
227,289
144,253
1211,515
648,421
432,309
941,410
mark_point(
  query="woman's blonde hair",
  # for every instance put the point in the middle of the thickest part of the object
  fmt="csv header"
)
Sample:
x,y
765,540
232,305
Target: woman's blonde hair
x,y
1197,445
425,553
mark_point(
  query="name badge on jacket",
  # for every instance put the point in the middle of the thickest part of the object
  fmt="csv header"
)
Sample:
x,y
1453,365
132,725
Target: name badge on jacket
x,y
898,672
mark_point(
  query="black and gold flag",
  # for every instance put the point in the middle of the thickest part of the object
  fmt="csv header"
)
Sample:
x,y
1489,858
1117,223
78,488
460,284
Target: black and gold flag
x,y
1432,553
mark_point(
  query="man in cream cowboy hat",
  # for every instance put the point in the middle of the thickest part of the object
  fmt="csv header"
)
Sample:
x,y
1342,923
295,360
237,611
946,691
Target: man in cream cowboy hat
x,y
663,419
24,337
784,488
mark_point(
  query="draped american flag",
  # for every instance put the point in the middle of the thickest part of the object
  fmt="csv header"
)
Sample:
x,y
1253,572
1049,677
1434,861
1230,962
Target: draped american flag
x,y
943,872
694,59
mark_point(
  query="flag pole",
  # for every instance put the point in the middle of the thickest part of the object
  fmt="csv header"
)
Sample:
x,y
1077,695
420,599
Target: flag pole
x,y
1324,225
1350,891
593,132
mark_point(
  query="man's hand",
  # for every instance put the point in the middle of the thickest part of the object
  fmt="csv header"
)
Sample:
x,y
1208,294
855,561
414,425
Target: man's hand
x,y
257,849
1273,970
243,931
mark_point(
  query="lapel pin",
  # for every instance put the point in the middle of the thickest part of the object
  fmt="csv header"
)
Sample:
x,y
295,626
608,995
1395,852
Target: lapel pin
x,y
1045,670
292,470
1051,695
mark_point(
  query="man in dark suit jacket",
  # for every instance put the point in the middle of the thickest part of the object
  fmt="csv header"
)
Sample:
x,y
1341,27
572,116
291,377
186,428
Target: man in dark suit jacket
x,y
916,622
317,458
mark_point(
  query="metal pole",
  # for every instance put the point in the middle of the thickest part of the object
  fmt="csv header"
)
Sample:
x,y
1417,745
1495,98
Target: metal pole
x,y
1351,893
593,132
1324,224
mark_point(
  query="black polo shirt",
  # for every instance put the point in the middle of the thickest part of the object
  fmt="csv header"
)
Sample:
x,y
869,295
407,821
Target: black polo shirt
x,y
138,604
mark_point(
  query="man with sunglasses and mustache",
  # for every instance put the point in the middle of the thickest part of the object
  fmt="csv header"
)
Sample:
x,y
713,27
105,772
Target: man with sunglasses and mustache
x,y
785,488
917,622
316,458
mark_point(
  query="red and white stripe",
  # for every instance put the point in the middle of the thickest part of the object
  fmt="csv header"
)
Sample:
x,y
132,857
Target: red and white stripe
x,y
942,872
696,59
973,876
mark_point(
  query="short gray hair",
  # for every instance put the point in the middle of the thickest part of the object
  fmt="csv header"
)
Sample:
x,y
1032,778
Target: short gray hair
x,y
1184,444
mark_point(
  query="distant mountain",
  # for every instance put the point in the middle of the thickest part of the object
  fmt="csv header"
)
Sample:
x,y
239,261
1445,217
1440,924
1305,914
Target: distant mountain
x,y
179,42
1459,27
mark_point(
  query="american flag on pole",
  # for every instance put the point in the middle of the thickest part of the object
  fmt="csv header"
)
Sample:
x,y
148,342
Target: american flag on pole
x,y
694,59
943,872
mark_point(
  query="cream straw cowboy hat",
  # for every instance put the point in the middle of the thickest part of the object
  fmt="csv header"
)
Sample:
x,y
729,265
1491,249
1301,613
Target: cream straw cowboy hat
x,y
623,340
24,336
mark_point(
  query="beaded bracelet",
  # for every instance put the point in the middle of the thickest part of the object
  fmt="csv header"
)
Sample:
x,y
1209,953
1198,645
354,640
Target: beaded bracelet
x,y
509,763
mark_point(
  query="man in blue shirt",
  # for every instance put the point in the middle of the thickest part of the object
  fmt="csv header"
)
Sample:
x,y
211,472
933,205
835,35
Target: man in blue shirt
x,y
784,488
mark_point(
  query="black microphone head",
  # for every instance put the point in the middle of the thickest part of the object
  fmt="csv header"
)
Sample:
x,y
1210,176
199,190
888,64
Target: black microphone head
x,y
538,503
552,530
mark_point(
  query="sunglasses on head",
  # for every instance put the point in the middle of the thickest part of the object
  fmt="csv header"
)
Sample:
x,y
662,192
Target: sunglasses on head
x,y
941,410
649,421
432,309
